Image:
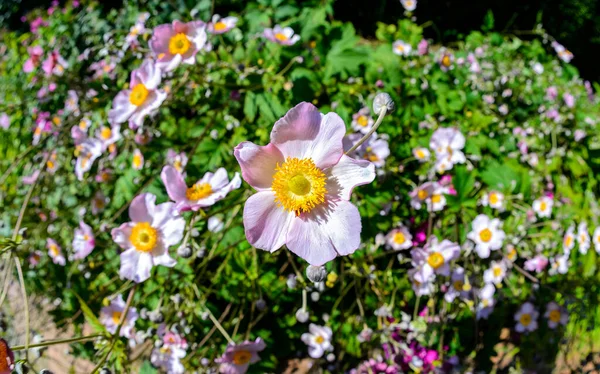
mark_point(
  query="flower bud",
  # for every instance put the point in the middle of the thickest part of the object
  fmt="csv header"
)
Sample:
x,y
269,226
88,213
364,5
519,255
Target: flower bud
x,y
184,252
383,100
302,315
316,273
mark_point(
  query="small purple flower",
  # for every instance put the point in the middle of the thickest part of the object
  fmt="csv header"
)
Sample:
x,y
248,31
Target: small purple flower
x,y
551,93
569,100
238,357
54,64
35,55
281,35
178,42
84,241
220,25
423,47
141,99
206,192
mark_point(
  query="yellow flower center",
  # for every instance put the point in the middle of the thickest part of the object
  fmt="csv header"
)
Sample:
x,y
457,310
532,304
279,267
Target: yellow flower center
x,y
422,194
220,26
137,161
198,191
371,157
446,61
458,285
177,165
409,4
543,206
494,198
525,319
400,48
485,235
399,238
583,238
436,198
241,357
105,133
179,44
138,94
299,185
363,121
319,339
83,125
56,120
86,237
512,254
420,154
281,37
116,317
435,260
54,250
497,271
50,164
143,237
554,315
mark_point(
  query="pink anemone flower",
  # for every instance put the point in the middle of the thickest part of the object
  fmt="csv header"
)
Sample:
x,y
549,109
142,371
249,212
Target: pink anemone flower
x,y
281,35
238,357
147,238
35,55
206,192
178,42
304,182
84,241
141,98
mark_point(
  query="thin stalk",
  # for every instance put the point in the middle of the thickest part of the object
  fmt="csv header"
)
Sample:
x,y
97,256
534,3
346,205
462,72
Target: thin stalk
x,y
115,336
219,326
56,342
382,114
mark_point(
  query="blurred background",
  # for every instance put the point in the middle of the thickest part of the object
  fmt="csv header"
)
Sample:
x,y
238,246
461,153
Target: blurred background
x,y
576,23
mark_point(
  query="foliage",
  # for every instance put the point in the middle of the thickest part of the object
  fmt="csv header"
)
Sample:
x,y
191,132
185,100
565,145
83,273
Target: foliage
x,y
519,142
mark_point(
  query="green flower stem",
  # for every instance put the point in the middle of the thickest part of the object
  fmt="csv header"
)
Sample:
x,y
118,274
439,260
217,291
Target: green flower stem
x,y
382,114
56,342
115,336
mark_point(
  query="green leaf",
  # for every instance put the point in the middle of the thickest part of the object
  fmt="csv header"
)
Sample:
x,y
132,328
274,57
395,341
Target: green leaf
x,y
250,106
147,368
90,317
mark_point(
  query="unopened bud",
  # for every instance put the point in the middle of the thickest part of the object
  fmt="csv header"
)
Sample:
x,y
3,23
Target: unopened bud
x,y
302,315
316,273
383,100
184,252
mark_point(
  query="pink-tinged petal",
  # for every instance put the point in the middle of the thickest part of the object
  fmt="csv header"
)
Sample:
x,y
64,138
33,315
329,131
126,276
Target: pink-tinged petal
x,y
121,234
148,74
142,208
135,265
172,231
258,163
305,133
347,174
319,236
169,62
160,39
174,183
219,179
122,108
266,224
28,66
165,260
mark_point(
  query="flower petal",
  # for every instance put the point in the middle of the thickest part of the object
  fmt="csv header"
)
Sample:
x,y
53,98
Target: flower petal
x,y
174,183
142,208
347,174
305,133
135,265
258,163
266,224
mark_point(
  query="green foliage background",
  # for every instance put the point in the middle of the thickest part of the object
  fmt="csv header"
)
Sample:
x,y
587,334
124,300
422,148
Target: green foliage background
x,y
336,70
